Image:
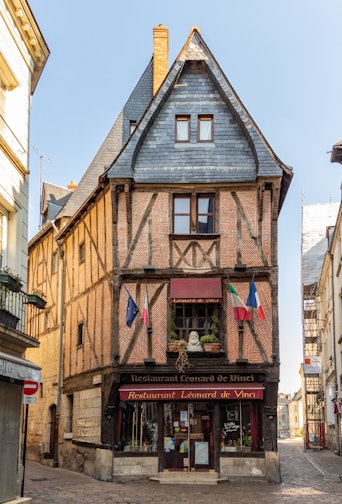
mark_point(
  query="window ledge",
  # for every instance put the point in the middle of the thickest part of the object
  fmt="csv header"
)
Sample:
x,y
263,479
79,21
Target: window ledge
x,y
197,145
198,355
209,236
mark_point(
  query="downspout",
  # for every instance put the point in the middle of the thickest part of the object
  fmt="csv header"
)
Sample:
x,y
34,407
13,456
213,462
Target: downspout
x,y
338,415
60,358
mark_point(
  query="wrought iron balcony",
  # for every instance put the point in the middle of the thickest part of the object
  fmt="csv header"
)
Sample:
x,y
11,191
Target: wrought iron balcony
x,y
19,312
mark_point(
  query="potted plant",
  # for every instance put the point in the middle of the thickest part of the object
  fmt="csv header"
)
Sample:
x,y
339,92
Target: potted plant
x,y
245,443
210,343
173,345
36,298
10,280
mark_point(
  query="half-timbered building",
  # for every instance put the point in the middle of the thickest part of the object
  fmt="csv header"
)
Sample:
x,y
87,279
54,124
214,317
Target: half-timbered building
x,y
151,258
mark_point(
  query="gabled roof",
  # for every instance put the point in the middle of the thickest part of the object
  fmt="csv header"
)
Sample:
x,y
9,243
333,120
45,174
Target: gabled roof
x,y
265,160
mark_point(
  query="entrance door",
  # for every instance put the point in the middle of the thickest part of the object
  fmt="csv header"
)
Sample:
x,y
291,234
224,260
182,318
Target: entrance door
x,y
52,430
188,436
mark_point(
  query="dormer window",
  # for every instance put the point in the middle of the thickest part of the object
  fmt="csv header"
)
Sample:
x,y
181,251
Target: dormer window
x,y
182,128
205,128
132,126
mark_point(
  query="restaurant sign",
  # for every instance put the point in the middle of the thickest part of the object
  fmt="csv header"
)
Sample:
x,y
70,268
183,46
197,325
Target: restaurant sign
x,y
194,392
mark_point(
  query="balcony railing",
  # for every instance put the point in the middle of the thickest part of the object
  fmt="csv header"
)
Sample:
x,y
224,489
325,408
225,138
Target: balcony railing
x,y
17,312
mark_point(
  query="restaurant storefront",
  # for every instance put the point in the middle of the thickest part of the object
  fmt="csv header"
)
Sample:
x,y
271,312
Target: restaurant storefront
x,y
190,421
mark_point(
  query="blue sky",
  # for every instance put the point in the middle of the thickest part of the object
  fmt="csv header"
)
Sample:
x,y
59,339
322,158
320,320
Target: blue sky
x,y
281,56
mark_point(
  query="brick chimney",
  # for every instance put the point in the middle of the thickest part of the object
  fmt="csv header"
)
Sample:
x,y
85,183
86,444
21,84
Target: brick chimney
x,y
160,55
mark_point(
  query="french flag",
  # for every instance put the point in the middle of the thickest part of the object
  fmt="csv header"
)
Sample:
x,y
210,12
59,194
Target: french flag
x,y
254,301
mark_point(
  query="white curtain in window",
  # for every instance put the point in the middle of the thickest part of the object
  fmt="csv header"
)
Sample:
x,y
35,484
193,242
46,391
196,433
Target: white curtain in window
x,y
205,129
182,131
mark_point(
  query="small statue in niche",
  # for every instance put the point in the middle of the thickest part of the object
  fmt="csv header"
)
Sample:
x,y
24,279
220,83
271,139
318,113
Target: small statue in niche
x,y
194,344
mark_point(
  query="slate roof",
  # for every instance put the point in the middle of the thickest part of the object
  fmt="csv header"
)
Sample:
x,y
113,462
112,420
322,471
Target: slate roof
x,y
117,136
265,162
120,155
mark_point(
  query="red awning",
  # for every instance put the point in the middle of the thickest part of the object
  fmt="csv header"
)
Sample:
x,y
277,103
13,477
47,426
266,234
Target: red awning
x,y
192,392
196,290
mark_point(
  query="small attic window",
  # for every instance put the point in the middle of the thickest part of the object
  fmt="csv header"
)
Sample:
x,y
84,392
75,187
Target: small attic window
x,y
205,128
182,128
132,126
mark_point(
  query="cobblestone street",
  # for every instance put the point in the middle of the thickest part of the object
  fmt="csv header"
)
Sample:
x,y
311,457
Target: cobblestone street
x,y
307,476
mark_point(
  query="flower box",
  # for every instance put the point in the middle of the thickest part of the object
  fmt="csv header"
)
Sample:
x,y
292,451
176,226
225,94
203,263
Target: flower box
x,y
211,347
8,319
36,300
10,282
173,346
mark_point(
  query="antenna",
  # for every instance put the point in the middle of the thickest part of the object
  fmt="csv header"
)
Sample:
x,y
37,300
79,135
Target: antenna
x,y
41,157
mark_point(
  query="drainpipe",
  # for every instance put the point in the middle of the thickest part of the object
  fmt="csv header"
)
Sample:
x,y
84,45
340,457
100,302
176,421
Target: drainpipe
x,y
60,358
338,415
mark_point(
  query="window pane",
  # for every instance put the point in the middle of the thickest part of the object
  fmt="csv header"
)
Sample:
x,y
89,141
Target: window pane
x,y
182,128
139,427
205,128
182,224
205,215
182,205
205,224
194,317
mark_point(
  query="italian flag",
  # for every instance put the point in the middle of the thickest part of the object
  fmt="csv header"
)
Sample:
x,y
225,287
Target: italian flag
x,y
241,311
146,311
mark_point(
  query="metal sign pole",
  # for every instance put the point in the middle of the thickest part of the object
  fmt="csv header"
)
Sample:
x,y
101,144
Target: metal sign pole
x,y
24,452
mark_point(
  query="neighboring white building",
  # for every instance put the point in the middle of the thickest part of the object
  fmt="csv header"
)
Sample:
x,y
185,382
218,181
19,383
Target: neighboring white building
x,y
330,327
283,415
296,418
23,54
316,219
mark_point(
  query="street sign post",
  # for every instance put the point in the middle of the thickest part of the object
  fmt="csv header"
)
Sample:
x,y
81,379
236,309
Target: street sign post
x,y
30,388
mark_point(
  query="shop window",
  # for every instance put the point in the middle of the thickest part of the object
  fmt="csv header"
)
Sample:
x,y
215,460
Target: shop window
x,y
182,128
205,128
241,426
195,317
138,427
193,214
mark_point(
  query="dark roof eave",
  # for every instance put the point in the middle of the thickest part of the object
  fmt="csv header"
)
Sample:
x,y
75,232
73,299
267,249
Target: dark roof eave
x,y
336,153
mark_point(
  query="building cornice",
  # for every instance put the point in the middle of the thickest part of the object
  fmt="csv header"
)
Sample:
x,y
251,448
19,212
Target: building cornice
x,y
31,35
13,159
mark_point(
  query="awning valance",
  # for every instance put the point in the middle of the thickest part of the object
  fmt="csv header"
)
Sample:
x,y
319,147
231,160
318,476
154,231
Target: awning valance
x,y
196,290
19,369
194,392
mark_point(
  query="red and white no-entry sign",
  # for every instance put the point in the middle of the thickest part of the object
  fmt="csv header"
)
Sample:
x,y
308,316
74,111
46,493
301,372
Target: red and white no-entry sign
x,y
30,387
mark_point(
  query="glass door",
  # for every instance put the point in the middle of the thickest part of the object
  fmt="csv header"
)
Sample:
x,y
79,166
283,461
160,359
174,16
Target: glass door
x,y
188,436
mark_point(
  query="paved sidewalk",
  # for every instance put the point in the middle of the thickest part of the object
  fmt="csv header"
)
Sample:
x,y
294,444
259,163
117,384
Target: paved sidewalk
x,y
310,477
